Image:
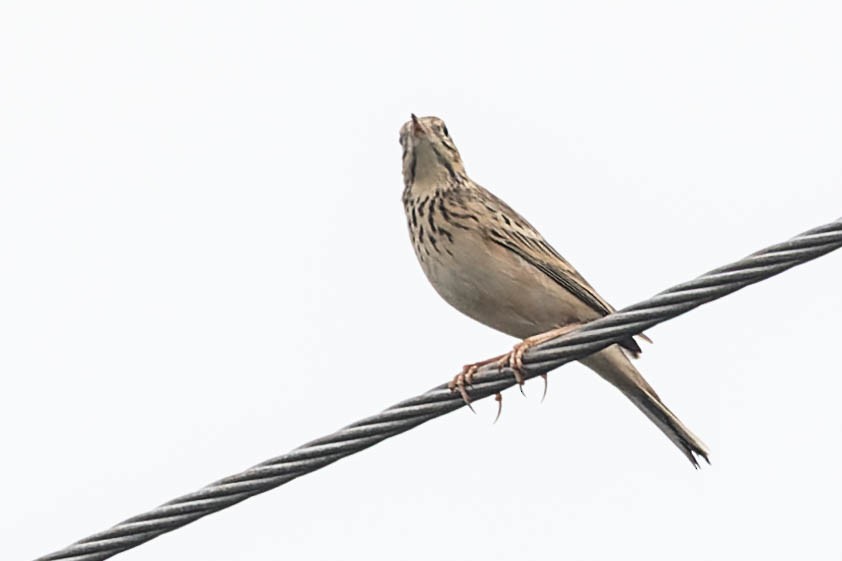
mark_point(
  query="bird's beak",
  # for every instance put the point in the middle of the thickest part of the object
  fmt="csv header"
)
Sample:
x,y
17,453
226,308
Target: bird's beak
x,y
416,125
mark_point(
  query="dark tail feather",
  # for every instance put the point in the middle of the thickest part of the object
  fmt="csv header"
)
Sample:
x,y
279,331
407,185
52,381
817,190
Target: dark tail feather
x,y
669,424
615,367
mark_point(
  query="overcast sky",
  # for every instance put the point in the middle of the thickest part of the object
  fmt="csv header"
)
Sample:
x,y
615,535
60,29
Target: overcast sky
x,y
204,263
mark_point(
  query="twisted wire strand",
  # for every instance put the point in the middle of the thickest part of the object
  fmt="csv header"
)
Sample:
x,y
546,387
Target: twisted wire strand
x,y
489,380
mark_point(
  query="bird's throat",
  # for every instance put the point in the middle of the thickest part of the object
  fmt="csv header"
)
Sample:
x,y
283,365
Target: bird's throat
x,y
430,171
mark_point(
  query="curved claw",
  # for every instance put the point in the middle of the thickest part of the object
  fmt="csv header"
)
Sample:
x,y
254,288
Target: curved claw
x,y
544,395
498,397
514,361
458,384
467,399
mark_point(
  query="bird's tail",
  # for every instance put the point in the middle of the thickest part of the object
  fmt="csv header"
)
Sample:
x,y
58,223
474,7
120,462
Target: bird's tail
x,y
613,365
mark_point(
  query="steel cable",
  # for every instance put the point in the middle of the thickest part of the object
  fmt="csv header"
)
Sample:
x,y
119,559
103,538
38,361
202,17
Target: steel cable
x,y
417,410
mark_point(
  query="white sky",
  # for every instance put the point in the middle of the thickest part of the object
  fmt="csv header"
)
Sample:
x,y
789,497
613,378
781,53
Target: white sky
x,y
204,264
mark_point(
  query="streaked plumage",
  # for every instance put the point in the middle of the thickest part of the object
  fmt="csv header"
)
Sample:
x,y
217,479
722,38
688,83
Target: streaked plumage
x,y
488,262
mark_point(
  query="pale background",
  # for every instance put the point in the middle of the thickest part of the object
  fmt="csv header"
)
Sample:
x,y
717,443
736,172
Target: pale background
x,y
204,264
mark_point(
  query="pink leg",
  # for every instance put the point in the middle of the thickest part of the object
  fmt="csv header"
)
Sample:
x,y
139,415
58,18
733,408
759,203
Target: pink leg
x,y
513,360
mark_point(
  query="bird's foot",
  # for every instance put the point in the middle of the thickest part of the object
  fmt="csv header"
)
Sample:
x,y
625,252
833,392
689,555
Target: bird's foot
x,y
465,379
514,359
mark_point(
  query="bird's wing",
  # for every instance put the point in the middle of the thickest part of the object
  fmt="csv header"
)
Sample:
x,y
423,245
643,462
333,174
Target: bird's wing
x,y
515,233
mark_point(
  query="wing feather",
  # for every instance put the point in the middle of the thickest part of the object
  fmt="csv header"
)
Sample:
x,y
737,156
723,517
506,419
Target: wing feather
x,y
519,236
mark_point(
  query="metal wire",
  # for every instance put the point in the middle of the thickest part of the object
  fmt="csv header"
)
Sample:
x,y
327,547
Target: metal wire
x,y
438,401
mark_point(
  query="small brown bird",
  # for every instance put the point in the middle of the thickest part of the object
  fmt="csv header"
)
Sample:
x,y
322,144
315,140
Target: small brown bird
x,y
489,263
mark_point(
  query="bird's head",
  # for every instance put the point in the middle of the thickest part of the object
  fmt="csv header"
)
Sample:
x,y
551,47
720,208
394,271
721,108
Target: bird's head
x,y
430,157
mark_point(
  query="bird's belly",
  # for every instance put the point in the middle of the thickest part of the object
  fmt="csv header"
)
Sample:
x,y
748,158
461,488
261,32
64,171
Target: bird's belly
x,y
499,289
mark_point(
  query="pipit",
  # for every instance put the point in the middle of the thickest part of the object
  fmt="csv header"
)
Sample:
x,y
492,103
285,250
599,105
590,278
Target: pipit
x,y
489,263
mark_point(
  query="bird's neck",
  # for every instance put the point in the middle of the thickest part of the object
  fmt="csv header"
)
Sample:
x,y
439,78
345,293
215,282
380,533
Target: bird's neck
x,y
426,172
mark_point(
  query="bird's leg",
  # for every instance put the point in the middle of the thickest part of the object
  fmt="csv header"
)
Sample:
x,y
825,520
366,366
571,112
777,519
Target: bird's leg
x,y
514,359
461,381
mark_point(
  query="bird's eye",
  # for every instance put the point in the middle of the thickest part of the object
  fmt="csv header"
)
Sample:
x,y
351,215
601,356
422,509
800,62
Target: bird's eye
x,y
444,130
